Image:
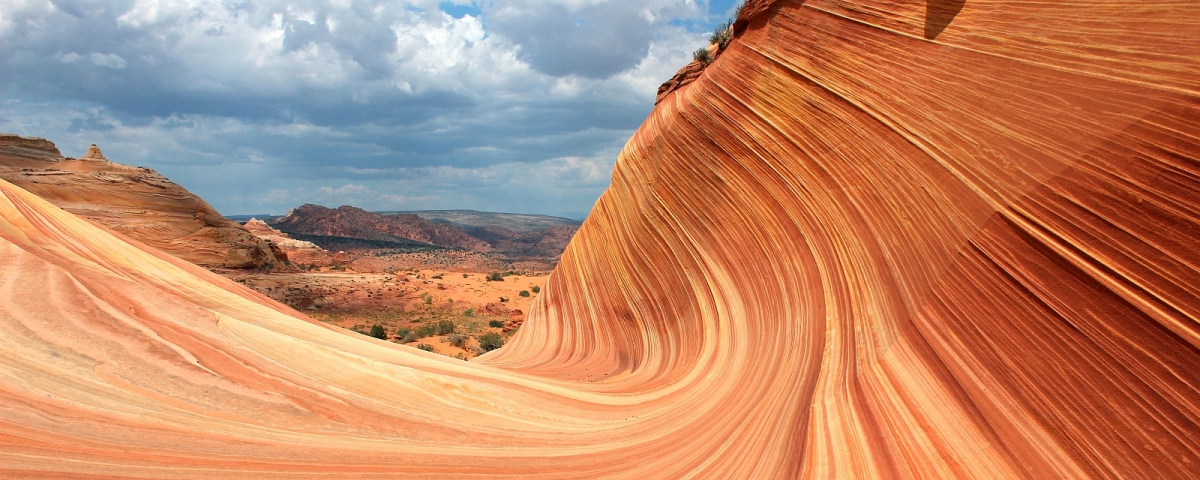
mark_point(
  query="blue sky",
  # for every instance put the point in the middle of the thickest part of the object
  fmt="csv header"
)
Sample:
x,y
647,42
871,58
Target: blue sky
x,y
260,106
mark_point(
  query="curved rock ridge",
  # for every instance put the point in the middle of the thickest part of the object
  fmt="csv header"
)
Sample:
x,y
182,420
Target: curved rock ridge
x,y
873,239
907,239
137,202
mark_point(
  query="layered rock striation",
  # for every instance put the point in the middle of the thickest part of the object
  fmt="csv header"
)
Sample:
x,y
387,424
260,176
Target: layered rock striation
x,y
137,202
871,240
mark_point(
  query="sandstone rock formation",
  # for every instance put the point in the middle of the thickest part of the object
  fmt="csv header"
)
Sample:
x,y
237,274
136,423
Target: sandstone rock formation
x,y
94,154
260,228
137,202
872,240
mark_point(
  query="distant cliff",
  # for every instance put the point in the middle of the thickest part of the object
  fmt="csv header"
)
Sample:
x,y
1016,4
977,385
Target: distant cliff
x,y
354,222
539,237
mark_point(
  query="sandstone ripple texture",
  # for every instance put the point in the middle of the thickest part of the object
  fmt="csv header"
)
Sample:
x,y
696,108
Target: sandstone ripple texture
x,y
873,239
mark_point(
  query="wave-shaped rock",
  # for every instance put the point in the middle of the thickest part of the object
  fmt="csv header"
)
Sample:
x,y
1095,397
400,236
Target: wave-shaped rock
x,y
872,239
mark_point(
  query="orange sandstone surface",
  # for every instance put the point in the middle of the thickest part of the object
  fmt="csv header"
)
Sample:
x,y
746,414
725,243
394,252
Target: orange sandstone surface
x,y
872,239
135,201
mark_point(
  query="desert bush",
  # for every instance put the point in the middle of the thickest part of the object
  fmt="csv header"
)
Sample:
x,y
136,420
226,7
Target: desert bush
x,y
490,341
427,298
536,289
495,277
470,312
425,346
444,326
464,275
496,323
378,331
409,337
426,330
437,277
476,351
503,299
457,339
702,55
724,31
524,293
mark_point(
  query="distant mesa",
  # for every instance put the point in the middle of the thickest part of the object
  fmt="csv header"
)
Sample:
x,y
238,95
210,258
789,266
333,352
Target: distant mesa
x,y
467,219
508,235
136,202
353,222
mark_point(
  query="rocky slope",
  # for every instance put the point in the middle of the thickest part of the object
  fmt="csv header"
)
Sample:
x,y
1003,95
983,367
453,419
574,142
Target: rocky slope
x,y
871,240
137,202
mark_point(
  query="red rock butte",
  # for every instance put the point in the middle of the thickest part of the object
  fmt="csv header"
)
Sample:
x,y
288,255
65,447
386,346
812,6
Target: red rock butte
x,y
938,239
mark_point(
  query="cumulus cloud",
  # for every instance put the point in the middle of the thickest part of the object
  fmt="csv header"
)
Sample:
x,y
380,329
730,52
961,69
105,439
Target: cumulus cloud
x,y
585,38
302,92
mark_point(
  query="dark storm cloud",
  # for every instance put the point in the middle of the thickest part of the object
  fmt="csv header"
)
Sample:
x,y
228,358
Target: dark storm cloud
x,y
595,41
455,100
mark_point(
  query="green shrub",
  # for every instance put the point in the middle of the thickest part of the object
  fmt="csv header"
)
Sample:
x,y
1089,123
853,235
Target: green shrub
x,y
536,289
490,341
377,331
437,277
444,326
464,275
470,312
496,323
524,293
724,31
495,277
427,298
425,346
702,55
457,339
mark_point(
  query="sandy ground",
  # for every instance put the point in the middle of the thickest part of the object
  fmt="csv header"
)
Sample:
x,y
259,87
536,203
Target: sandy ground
x,y
408,299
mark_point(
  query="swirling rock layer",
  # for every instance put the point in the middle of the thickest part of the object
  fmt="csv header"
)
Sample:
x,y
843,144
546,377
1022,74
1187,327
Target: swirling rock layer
x,y
137,202
914,240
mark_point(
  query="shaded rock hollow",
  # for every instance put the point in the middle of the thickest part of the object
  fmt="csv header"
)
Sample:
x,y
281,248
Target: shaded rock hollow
x,y
854,246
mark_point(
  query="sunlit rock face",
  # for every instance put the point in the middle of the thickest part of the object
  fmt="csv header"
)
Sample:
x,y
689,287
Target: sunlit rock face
x,y
939,239
136,202
914,240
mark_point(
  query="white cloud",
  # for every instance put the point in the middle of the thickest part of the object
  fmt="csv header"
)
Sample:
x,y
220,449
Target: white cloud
x,y
242,100
110,60
69,57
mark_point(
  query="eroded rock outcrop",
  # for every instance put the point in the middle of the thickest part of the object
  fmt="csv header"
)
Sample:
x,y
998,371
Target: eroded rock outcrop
x,y
299,251
871,240
137,202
